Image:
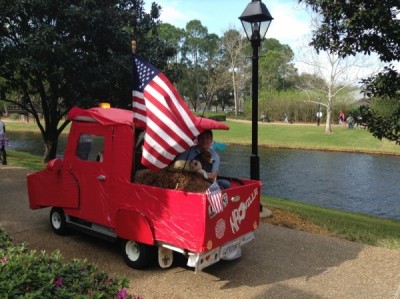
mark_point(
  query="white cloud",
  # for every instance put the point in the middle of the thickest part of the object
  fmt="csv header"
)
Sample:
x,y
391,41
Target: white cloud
x,y
291,23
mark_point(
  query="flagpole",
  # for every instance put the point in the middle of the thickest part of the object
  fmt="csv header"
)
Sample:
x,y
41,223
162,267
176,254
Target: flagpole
x,y
133,46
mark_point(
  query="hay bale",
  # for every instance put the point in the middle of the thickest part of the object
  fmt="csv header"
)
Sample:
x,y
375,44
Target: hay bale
x,y
184,181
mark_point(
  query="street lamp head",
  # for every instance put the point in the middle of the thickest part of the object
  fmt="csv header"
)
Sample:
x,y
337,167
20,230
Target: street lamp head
x,y
256,20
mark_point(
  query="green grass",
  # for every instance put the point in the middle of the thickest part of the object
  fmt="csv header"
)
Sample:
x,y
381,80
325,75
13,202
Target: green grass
x,y
354,227
25,160
307,137
23,126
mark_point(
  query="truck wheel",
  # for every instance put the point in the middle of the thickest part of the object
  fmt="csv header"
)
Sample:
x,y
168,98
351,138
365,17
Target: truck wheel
x,y
57,221
137,255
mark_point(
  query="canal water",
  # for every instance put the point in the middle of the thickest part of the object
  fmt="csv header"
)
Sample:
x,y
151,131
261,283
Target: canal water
x,y
360,183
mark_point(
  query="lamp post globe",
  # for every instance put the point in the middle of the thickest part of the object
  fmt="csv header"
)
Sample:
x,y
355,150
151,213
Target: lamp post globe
x,y
255,20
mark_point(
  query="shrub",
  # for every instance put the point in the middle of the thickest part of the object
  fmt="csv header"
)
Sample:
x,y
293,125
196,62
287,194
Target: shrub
x,y
221,116
28,274
14,116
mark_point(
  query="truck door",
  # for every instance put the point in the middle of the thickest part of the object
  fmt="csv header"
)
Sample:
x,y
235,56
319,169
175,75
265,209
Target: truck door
x,y
91,167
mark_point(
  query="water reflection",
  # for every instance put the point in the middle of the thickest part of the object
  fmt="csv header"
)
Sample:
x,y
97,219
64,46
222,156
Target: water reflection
x,y
32,142
359,183
353,182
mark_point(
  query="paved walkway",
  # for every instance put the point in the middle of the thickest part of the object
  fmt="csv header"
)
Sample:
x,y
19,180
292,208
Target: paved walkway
x,y
279,263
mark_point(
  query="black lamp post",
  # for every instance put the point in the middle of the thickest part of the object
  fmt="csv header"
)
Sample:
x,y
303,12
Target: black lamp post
x,y
255,20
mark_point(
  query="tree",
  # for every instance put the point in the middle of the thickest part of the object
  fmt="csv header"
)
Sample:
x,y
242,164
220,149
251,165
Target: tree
x,y
358,26
383,117
333,80
57,54
173,37
233,44
276,68
193,55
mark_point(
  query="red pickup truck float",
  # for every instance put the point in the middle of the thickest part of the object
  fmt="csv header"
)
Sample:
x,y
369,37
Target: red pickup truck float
x,y
93,189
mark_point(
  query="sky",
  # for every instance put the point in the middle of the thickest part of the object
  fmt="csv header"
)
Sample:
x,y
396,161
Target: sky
x,y
290,24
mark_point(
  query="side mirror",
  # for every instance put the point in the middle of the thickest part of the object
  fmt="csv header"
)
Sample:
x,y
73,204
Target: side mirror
x,y
55,164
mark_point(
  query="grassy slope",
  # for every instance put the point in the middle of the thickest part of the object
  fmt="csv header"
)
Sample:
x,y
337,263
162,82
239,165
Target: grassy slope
x,y
354,227
307,137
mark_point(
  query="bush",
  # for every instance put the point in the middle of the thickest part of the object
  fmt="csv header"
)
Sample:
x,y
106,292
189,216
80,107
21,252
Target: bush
x,y
221,116
14,116
28,274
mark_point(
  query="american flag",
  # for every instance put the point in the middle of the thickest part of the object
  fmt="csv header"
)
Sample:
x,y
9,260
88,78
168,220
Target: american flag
x,y
159,109
214,197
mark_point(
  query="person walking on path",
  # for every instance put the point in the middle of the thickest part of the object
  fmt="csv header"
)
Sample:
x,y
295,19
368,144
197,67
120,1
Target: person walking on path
x,y
341,118
263,116
3,142
350,121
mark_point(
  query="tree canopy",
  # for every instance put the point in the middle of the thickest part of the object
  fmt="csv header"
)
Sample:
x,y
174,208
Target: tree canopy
x,y
358,26
57,54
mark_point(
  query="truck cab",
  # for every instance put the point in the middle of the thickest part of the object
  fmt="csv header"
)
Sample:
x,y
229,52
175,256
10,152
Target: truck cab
x,y
92,189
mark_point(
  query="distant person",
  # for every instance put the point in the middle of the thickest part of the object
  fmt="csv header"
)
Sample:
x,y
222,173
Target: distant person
x,y
341,118
350,121
359,122
3,142
286,118
263,116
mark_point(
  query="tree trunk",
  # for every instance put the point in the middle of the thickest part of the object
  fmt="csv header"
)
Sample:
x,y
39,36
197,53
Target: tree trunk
x,y
50,149
235,95
328,125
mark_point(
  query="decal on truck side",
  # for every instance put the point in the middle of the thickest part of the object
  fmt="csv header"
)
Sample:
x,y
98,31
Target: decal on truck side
x,y
239,214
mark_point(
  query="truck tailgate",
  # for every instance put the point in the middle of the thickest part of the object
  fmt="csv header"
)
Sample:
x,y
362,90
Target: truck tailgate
x,y
240,215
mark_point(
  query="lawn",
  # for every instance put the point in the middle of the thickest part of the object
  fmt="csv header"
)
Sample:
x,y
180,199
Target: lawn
x,y
307,137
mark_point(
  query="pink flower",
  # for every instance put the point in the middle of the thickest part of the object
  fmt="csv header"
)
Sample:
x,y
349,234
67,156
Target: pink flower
x,y
58,281
122,294
4,260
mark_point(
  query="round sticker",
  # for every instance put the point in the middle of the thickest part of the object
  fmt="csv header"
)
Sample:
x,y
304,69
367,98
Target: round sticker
x,y
220,228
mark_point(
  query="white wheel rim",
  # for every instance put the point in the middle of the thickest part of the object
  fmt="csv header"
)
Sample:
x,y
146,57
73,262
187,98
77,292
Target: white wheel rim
x,y
132,250
56,220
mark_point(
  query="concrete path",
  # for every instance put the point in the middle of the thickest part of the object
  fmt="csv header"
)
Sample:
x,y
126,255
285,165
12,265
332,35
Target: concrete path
x,y
279,263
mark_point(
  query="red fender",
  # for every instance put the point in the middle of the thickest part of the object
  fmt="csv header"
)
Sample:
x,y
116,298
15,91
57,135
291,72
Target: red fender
x,y
134,226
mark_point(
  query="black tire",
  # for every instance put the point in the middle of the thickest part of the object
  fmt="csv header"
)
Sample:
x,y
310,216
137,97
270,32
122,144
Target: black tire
x,y
138,255
57,222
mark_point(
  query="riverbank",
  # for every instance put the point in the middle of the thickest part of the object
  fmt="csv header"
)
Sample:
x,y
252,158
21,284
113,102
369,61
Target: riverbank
x,y
307,137
354,227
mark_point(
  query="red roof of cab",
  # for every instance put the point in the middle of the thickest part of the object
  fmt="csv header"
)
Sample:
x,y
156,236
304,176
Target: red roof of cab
x,y
105,116
115,116
209,124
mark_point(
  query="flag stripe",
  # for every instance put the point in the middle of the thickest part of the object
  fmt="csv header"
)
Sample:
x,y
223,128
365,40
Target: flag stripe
x,y
152,145
181,110
153,162
160,110
168,123
165,136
